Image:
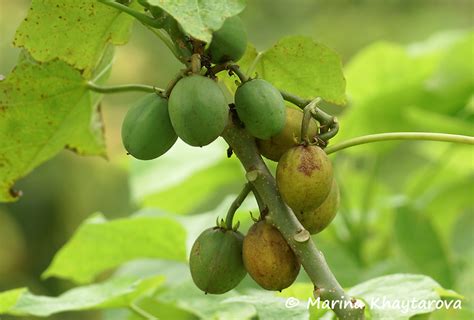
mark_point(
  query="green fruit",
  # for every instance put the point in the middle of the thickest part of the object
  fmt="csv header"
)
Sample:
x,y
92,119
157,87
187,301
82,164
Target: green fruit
x,y
261,108
198,110
304,177
147,132
289,137
216,260
268,258
317,220
229,42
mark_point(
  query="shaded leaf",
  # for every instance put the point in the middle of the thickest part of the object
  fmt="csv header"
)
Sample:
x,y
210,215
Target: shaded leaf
x,y
421,244
386,80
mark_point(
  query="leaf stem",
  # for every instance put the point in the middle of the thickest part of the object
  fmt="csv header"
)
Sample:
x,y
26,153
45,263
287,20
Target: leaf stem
x,y
296,100
123,88
236,69
236,204
161,34
140,312
307,115
143,18
329,124
281,216
427,136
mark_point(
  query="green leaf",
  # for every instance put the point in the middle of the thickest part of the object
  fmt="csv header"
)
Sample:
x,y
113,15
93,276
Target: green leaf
x,y
44,107
303,291
196,185
386,80
462,237
245,63
99,245
303,67
390,297
270,307
420,243
8,299
195,193
114,293
75,31
437,122
187,297
453,79
200,18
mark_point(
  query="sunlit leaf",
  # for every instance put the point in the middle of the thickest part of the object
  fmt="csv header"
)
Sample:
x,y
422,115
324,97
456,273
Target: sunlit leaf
x,y
44,107
304,67
188,297
114,293
269,306
390,297
75,31
99,245
200,18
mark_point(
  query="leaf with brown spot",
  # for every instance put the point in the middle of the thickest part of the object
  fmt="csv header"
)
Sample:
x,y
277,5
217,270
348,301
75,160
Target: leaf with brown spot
x,y
75,31
45,107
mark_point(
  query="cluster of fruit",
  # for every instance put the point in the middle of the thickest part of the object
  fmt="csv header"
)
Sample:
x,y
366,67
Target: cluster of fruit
x,y
196,110
221,257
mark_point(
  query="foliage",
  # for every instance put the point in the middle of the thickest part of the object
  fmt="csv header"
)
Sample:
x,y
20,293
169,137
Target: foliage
x,y
388,222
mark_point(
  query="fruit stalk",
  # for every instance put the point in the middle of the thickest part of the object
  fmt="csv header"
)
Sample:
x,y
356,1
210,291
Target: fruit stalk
x,y
236,204
306,119
329,123
281,216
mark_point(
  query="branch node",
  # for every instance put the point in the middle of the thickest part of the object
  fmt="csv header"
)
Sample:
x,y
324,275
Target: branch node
x,y
302,236
252,175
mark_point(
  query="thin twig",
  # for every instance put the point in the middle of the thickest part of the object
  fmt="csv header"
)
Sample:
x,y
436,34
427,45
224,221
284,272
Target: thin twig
x,y
426,136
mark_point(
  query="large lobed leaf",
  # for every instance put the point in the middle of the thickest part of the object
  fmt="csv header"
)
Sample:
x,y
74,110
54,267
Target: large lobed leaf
x,y
75,31
44,103
44,107
390,297
299,65
199,18
99,245
114,293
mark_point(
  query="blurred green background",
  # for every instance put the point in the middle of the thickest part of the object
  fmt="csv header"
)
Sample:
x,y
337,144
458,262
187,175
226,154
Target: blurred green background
x,y
407,207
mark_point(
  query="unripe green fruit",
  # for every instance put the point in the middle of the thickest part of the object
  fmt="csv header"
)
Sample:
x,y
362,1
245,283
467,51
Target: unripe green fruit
x,y
289,137
198,110
304,177
229,42
317,220
261,108
147,132
216,260
268,258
